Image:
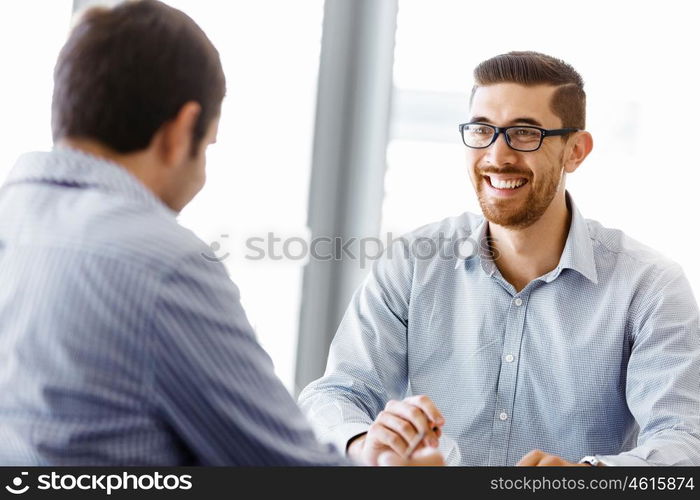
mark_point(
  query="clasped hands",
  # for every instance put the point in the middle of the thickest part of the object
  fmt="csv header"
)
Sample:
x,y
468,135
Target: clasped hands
x,y
407,432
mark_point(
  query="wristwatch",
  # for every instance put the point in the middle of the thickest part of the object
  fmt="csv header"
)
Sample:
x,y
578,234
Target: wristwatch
x,y
592,460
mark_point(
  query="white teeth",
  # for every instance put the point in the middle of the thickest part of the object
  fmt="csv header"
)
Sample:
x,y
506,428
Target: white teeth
x,y
509,184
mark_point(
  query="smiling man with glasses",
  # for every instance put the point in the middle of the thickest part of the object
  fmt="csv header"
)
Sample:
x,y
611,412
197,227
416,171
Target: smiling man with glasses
x,y
558,342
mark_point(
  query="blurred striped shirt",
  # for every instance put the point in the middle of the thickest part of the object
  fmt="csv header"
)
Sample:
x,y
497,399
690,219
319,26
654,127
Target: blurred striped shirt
x,y
121,343
600,356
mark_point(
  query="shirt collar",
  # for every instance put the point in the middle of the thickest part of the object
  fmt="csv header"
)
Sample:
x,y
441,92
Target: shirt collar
x,y
578,250
577,255
71,167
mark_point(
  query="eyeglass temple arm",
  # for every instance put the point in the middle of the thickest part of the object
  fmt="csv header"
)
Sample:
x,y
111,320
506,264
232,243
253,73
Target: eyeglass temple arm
x,y
560,131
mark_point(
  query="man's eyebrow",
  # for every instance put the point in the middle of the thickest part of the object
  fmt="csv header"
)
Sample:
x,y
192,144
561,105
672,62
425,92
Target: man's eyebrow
x,y
522,119
481,119
529,121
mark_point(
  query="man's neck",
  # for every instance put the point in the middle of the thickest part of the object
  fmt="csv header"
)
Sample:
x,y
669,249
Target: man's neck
x,y
526,254
139,163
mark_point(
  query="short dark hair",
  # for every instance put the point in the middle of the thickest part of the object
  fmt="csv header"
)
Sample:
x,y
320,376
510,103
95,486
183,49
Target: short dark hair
x,y
533,68
126,71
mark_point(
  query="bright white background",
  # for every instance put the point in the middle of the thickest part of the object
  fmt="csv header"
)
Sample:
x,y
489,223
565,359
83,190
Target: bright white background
x,y
31,35
638,60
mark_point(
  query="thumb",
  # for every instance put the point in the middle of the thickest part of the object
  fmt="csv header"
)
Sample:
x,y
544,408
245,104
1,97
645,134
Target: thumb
x,y
389,458
427,457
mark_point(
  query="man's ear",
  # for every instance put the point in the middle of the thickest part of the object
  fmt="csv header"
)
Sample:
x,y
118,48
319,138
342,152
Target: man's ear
x,y
174,139
580,146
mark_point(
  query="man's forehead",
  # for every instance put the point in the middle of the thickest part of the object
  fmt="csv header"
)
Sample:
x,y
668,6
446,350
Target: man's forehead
x,y
503,103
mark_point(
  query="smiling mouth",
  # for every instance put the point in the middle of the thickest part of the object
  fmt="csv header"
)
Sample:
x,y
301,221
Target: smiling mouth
x,y
506,184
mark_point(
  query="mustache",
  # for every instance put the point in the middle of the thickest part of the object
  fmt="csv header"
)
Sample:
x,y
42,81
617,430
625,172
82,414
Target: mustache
x,y
503,171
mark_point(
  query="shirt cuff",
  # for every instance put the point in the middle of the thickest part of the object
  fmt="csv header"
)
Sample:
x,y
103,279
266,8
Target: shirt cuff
x,y
341,434
622,460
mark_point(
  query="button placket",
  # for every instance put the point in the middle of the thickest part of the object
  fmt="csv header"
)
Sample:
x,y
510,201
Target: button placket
x,y
507,381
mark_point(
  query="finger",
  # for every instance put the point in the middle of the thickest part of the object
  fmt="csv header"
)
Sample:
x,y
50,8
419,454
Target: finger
x,y
551,461
430,432
420,420
426,404
430,442
402,427
432,437
380,436
411,413
531,459
433,433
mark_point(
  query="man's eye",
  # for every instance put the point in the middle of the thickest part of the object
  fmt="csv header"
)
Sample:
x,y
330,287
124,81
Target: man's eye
x,y
526,132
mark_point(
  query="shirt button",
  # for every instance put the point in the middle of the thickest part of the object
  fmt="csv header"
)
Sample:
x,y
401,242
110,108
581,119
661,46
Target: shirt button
x,y
503,416
518,302
509,358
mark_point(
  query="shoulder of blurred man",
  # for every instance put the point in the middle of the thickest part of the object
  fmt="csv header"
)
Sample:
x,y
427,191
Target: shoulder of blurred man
x,y
104,210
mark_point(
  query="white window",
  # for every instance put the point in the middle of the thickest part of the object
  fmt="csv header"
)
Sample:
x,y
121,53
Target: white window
x,y
258,171
31,35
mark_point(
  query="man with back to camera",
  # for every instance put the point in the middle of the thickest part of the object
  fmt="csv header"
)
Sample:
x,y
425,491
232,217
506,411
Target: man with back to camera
x,y
120,344
558,342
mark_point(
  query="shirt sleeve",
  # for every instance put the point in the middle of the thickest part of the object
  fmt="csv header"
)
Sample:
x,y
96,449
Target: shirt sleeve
x,y
367,362
663,376
212,382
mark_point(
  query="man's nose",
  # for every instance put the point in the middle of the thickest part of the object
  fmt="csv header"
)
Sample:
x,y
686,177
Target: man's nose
x,y
500,152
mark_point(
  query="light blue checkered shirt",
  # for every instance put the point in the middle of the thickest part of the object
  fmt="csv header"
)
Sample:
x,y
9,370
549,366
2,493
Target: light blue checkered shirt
x,y
120,343
600,356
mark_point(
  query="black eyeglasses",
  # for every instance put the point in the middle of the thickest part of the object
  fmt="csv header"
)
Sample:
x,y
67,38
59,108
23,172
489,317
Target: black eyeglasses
x,y
520,137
